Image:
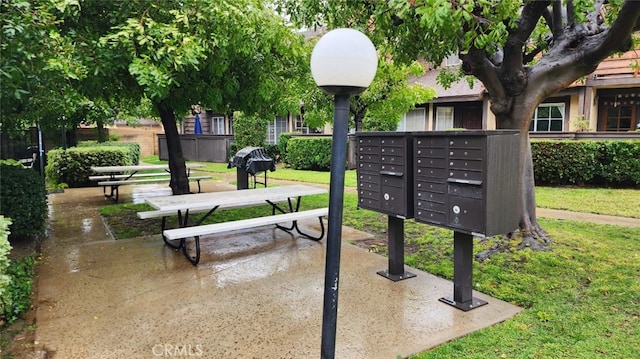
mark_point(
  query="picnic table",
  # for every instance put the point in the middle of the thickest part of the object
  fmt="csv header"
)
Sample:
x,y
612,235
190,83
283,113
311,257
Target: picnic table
x,y
289,197
116,176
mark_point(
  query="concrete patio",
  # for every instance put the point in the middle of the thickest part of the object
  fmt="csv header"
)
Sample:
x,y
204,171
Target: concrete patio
x,y
255,294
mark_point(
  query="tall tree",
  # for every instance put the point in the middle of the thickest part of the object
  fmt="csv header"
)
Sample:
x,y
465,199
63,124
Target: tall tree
x,y
37,65
522,51
223,55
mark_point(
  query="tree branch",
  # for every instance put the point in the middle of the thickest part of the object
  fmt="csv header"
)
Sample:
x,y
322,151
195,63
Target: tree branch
x,y
570,13
513,48
592,17
476,63
617,37
558,26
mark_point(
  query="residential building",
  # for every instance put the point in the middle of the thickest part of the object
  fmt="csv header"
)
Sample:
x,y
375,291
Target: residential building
x,y
606,100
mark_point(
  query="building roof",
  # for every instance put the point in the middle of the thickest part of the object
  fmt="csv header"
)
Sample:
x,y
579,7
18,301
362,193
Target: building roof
x,y
459,91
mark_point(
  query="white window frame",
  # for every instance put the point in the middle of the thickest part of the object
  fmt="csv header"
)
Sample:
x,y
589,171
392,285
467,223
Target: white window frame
x,y
452,60
535,119
217,125
275,128
299,125
444,118
413,120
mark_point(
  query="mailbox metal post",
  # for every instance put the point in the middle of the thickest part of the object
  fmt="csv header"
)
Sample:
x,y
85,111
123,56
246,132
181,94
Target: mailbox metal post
x,y
395,245
463,274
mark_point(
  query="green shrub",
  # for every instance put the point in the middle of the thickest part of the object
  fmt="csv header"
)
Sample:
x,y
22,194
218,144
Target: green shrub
x,y
609,163
5,248
16,298
312,153
273,151
23,198
73,166
283,142
619,163
249,130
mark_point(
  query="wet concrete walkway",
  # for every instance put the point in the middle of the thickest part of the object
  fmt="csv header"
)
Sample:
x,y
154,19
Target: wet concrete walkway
x,y
255,294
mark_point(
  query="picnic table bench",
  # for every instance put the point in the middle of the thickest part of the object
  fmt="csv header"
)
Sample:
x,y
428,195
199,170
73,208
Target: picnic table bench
x,y
183,205
115,176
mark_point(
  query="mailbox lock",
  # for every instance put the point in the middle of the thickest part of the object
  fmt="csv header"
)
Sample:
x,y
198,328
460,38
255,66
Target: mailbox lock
x,y
456,209
386,196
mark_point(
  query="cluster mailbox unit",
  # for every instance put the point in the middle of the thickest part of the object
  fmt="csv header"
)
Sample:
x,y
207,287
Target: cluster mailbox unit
x,y
466,181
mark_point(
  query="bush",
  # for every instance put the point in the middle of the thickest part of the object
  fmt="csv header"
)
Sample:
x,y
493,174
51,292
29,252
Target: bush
x,y
23,198
610,163
564,162
309,153
249,130
273,151
283,142
5,279
16,299
73,166
619,163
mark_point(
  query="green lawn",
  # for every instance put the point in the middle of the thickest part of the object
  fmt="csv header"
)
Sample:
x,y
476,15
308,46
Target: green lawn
x,y
581,299
615,202
280,173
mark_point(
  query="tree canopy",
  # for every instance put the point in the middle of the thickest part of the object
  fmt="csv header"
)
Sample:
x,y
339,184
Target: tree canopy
x,y
37,64
522,51
223,55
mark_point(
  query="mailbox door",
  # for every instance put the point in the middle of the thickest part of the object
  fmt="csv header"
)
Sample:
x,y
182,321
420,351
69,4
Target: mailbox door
x,y
430,176
368,156
393,193
467,214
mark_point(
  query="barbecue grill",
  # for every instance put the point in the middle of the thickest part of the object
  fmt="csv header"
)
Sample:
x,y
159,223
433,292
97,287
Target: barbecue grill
x,y
251,161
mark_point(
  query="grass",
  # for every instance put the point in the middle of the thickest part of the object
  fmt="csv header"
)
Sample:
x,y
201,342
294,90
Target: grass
x,y
281,173
580,300
615,202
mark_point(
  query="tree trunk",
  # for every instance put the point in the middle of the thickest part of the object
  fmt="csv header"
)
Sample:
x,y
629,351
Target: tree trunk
x,y
179,181
101,134
532,233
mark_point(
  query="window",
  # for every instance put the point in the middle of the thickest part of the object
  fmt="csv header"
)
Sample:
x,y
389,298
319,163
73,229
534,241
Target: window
x,y
444,118
413,120
276,127
300,127
453,60
619,118
217,125
548,117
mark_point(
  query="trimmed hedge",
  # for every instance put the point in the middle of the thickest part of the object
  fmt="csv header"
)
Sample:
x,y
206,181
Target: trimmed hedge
x,y
73,166
309,153
23,198
283,142
600,163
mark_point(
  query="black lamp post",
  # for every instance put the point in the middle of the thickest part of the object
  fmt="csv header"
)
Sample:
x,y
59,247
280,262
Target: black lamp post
x,y
343,63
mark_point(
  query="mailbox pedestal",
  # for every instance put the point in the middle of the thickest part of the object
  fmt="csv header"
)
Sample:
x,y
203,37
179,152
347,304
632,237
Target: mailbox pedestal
x,y
467,181
385,185
395,245
463,274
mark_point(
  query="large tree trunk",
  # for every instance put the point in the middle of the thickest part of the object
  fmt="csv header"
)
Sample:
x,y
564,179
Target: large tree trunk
x,y
179,181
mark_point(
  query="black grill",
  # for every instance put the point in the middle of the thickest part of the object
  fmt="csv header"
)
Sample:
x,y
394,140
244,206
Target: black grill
x,y
251,160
